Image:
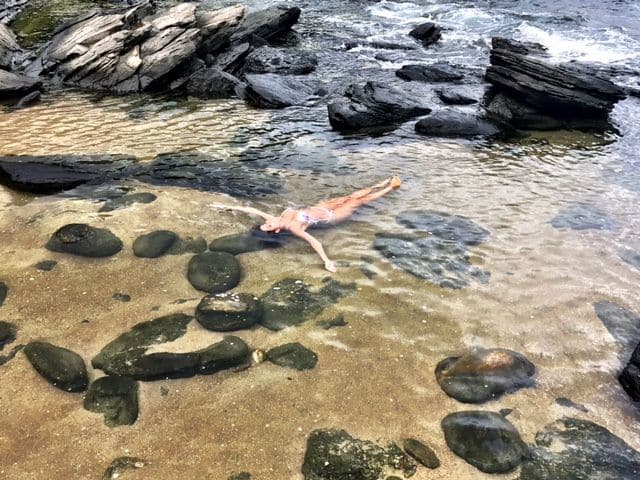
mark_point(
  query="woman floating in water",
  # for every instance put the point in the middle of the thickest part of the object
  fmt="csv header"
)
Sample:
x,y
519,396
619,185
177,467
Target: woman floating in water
x,y
330,211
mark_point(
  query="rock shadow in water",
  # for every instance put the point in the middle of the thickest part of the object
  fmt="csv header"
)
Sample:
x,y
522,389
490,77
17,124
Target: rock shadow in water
x,y
583,216
622,324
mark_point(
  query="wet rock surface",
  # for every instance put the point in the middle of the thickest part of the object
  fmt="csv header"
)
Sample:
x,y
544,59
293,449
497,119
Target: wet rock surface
x,y
573,448
253,241
61,367
486,440
127,200
570,95
84,240
293,355
116,397
335,455
225,312
269,90
484,375
426,33
583,216
437,250
283,61
438,72
421,453
373,104
291,302
453,123
214,272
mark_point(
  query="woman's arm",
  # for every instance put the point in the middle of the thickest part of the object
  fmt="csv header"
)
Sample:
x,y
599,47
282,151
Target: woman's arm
x,y
316,245
250,210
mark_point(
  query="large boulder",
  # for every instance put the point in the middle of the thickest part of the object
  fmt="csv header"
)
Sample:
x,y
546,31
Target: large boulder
x,y
270,90
532,90
61,367
374,104
454,123
84,240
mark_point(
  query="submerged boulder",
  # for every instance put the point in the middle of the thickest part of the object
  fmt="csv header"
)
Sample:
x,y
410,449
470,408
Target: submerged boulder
x,y
214,272
253,241
62,368
452,123
293,355
374,104
486,440
572,448
223,312
483,375
83,240
622,324
583,216
116,397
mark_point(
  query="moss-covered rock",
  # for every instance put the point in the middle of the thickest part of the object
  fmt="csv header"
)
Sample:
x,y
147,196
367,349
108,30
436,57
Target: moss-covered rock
x,y
223,312
214,272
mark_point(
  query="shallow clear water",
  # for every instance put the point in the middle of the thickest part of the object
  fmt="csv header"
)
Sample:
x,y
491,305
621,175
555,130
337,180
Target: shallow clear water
x,y
375,376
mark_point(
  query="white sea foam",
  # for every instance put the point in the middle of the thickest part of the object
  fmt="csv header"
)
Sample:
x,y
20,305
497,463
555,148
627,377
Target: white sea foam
x,y
399,12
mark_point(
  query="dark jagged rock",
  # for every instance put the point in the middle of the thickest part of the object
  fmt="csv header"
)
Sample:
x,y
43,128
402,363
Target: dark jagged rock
x,y
452,123
373,104
7,333
121,465
217,26
84,240
214,272
438,72
484,375
486,440
631,257
583,216
291,302
231,60
14,85
552,96
46,265
571,448
293,355
268,24
253,241
282,61
335,455
270,90
454,98
421,452
127,200
4,290
622,324
154,244
12,353
225,312
213,83
426,33
440,254
62,368
9,48
126,355
630,377
28,100
9,9
115,397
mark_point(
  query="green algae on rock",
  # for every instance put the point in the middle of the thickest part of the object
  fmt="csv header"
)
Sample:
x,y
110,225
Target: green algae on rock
x,y
84,240
214,272
486,440
116,397
62,368
293,355
223,312
484,374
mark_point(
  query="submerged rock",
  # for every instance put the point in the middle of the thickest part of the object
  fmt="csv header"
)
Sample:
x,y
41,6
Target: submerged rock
x,y
622,324
291,302
335,455
452,123
46,265
630,377
270,90
84,240
7,333
127,200
337,321
440,254
121,465
253,241
116,397
583,216
486,440
421,452
426,33
293,355
631,257
4,291
374,104
571,448
154,244
62,368
225,312
214,272
484,375
438,72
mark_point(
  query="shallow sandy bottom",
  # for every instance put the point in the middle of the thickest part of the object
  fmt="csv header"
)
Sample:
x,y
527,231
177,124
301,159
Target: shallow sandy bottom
x,y
374,377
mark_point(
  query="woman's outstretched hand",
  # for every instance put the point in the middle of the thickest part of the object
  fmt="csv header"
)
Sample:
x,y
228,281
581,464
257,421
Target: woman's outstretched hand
x,y
331,266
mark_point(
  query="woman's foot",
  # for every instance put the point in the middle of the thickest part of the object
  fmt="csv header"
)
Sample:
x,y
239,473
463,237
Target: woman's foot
x,y
395,182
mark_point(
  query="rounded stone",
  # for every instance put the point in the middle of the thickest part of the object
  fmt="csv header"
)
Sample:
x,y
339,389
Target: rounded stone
x,y
154,244
293,355
421,452
84,240
486,440
483,375
214,272
223,312
62,368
